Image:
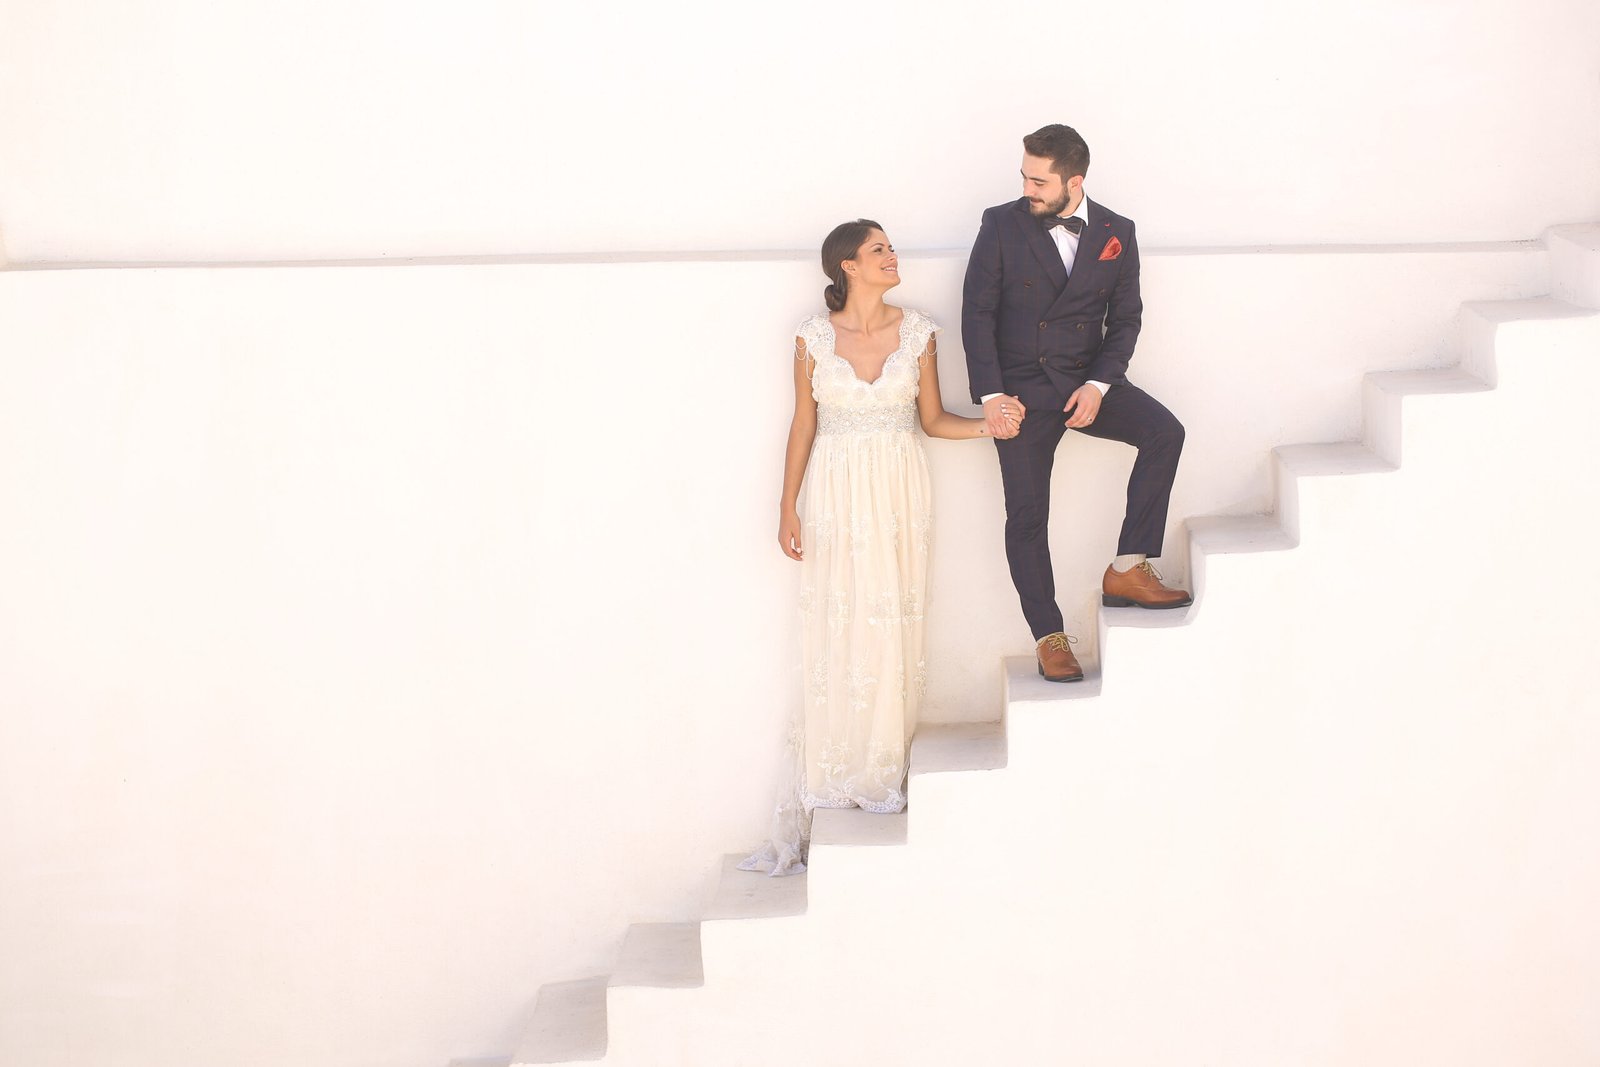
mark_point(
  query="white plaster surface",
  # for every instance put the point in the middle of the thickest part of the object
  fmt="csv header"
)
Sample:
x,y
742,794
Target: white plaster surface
x,y
1575,255
662,955
187,129
1389,860
379,643
568,1023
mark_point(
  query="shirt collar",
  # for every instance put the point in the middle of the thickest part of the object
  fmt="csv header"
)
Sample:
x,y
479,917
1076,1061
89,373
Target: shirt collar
x,y
1082,212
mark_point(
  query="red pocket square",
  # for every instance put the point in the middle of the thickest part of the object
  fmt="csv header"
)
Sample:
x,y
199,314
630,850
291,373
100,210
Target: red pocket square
x,y
1112,250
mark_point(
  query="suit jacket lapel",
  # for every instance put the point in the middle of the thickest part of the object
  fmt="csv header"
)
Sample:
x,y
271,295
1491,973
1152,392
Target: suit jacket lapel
x,y
1090,244
1043,246
1096,235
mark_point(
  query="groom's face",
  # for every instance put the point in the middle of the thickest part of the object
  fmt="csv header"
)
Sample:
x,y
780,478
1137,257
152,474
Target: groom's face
x,y
1047,192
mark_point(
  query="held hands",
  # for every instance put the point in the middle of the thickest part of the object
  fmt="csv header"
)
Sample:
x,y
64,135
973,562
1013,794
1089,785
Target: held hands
x,y
789,534
1082,406
1002,417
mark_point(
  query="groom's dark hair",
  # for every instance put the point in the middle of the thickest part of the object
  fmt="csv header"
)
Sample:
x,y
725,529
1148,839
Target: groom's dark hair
x,y
1061,145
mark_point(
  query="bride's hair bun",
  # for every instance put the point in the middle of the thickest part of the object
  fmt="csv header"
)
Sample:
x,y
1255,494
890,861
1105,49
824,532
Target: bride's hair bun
x,y
842,244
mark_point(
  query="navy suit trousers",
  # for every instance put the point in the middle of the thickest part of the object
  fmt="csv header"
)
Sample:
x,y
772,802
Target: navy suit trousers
x,y
1127,414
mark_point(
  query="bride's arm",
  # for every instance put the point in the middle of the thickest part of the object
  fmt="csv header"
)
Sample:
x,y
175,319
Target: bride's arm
x,y
936,421
802,432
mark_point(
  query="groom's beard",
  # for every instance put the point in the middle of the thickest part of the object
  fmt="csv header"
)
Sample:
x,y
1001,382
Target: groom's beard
x,y
1050,207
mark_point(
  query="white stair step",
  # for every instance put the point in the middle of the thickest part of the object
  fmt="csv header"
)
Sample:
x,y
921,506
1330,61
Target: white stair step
x,y
1144,618
1384,395
1575,263
1221,542
1124,630
962,746
1330,463
848,853
1584,235
1041,714
568,1024
660,955
1481,323
1532,309
852,827
1331,460
753,895
1227,534
1426,382
1026,687
751,919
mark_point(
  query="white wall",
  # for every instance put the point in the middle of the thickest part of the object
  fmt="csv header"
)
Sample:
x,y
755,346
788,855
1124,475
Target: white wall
x,y
378,642
186,130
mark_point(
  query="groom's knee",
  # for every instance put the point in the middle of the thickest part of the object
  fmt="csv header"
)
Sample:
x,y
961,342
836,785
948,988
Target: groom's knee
x,y
1026,521
1163,435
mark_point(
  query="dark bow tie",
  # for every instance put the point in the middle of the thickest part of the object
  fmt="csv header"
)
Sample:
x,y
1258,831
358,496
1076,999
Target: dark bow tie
x,y
1074,224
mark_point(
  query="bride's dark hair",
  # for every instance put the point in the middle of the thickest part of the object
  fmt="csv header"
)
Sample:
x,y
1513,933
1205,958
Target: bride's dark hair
x,y
842,244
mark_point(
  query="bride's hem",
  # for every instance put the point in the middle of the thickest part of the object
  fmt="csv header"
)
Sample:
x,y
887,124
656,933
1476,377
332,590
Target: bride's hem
x,y
771,869
893,806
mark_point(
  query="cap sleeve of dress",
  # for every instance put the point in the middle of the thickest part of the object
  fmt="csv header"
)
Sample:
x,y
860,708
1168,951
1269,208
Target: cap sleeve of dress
x,y
810,331
919,328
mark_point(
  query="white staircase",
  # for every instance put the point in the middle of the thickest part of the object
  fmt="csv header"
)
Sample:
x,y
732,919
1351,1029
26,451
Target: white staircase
x,y
1335,812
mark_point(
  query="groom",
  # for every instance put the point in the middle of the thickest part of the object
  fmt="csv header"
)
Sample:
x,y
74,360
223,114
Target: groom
x,y
1050,314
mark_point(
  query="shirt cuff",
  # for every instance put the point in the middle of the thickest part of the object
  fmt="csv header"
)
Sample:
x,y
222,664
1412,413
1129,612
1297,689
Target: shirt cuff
x,y
989,396
1102,386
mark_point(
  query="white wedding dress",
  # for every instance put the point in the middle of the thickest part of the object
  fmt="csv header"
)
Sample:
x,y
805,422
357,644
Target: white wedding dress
x,y
866,527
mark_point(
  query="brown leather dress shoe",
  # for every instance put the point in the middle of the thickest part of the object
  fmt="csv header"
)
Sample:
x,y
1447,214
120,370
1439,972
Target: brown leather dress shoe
x,y
1140,587
1056,661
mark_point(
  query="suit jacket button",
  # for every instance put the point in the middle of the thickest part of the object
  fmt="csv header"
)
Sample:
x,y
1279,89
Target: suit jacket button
x,y
1041,360
1029,285
1102,292
1080,325
1042,325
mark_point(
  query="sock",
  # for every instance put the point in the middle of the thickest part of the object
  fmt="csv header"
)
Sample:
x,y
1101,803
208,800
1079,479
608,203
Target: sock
x,y
1127,563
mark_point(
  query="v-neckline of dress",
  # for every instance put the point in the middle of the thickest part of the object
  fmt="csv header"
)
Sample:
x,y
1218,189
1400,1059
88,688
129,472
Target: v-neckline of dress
x,y
833,347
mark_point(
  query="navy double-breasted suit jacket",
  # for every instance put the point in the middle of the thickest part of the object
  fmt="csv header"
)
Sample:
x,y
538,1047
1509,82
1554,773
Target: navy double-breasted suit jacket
x,y
1031,331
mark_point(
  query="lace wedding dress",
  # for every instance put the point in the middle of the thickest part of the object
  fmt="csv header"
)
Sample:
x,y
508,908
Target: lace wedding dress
x,y
866,526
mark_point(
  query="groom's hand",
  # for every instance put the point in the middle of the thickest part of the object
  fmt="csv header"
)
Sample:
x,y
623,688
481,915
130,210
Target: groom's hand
x,y
1002,415
1082,406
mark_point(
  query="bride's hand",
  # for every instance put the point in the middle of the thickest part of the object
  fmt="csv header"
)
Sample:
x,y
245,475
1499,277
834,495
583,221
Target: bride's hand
x,y
789,534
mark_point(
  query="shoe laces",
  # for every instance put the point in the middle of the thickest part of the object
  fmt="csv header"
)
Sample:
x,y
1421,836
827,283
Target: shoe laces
x,y
1060,642
1149,568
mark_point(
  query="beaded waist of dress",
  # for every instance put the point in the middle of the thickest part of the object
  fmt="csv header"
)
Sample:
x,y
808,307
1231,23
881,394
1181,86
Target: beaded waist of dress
x,y
835,419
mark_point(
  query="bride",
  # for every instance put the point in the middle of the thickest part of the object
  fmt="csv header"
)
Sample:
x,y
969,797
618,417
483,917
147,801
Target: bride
x,y
866,376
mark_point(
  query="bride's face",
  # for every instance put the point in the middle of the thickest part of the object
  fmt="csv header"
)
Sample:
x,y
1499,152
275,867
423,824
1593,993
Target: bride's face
x,y
875,264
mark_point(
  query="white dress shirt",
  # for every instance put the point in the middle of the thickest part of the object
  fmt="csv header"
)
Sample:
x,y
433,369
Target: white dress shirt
x,y
1067,241
1067,244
